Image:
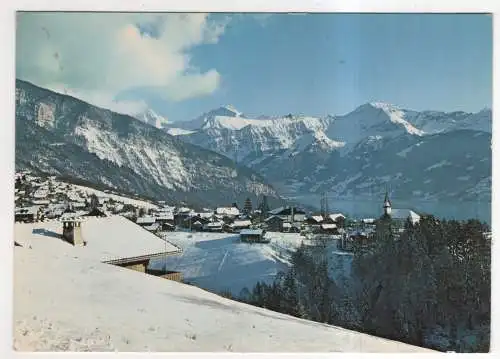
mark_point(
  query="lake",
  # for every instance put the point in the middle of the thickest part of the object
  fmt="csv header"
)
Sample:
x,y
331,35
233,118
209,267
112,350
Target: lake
x,y
372,208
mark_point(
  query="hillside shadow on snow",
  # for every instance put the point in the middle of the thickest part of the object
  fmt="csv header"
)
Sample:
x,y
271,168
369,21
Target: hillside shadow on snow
x,y
215,243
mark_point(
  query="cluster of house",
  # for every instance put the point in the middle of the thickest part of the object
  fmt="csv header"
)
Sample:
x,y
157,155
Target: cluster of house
x,y
38,199
251,226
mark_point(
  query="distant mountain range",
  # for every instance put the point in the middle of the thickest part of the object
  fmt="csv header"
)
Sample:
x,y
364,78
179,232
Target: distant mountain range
x,y
426,155
215,158
61,135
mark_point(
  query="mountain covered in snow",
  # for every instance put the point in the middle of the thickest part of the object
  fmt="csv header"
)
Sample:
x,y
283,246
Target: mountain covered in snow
x,y
61,135
152,118
418,154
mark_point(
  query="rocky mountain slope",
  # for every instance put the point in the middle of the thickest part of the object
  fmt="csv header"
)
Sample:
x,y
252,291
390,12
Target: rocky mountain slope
x,y
427,155
61,135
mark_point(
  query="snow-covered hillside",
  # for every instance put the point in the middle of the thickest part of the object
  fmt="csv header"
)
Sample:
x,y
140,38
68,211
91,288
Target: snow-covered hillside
x,y
119,151
67,303
220,262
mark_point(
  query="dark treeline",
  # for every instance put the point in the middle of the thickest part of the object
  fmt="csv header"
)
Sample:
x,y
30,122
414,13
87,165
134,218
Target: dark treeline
x,y
430,287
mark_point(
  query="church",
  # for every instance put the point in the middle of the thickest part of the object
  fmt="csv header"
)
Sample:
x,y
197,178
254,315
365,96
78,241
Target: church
x,y
398,215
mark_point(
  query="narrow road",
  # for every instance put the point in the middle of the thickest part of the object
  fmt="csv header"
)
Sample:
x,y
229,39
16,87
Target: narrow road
x,y
222,261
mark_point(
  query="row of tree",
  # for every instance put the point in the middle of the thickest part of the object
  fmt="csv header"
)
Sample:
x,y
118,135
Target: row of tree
x,y
428,286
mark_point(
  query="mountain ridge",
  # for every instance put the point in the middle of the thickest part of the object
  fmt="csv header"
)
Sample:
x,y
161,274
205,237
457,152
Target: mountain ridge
x,y
314,154
119,150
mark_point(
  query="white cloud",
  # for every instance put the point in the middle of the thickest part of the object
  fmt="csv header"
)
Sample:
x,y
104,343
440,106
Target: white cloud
x,y
95,56
102,99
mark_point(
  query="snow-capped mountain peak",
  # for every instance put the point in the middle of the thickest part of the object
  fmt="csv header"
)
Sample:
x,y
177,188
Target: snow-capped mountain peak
x,y
152,118
231,108
384,106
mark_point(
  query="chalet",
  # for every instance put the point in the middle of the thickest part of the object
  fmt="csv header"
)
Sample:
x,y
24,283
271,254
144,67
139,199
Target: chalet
x,y
41,194
349,240
253,236
329,228
206,215
166,220
180,219
199,218
237,226
145,221
118,207
227,219
213,227
291,227
184,210
79,205
289,214
26,214
314,220
274,224
40,202
100,239
181,215
335,218
228,211
197,226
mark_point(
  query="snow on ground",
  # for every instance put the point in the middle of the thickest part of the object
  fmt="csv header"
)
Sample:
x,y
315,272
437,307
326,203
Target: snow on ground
x,y
62,303
438,165
221,262
126,200
174,131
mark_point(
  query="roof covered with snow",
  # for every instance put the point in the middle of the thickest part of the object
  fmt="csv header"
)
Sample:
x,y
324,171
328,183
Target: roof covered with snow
x,y
272,218
228,211
245,223
403,214
146,220
252,232
328,226
108,239
335,216
317,218
76,305
165,217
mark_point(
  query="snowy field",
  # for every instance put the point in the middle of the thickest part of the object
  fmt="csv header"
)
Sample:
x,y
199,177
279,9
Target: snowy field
x,y
67,303
220,262
122,199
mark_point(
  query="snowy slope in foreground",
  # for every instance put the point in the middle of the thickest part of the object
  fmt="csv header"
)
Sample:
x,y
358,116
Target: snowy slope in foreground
x,y
64,303
220,262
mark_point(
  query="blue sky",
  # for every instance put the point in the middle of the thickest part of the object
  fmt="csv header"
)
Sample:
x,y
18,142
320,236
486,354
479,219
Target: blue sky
x,y
313,64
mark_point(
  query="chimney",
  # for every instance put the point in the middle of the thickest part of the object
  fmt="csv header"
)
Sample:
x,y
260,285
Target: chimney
x,y
72,232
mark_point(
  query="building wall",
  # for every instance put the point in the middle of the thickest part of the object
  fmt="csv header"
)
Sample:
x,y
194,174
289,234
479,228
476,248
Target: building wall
x,y
176,276
250,238
170,275
139,267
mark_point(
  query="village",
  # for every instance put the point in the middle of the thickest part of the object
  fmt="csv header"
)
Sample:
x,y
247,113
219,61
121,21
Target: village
x,y
98,236
40,199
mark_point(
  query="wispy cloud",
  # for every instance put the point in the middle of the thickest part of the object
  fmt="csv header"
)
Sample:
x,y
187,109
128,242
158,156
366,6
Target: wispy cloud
x,y
98,55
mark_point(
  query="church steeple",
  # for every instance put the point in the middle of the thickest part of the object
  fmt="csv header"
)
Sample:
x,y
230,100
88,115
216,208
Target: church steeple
x,y
387,204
